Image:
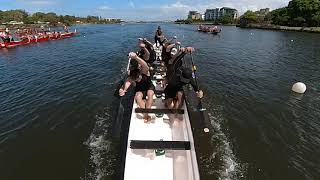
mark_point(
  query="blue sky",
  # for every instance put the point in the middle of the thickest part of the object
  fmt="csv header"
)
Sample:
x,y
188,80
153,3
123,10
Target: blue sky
x,y
136,9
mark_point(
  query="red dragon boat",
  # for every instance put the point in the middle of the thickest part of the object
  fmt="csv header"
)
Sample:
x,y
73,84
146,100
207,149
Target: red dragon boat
x,y
34,39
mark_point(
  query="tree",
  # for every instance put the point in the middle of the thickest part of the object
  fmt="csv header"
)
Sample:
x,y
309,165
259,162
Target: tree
x,y
29,20
268,17
248,17
226,19
1,16
316,19
92,19
298,9
52,18
14,15
280,16
38,16
298,21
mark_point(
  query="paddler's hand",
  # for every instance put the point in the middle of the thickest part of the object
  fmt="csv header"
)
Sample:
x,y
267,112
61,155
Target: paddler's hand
x,y
122,92
199,94
190,49
132,55
142,46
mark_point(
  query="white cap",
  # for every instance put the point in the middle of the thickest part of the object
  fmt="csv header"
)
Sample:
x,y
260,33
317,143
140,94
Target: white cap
x,y
174,51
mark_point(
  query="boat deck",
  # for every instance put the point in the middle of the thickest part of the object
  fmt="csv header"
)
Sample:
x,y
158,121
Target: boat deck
x,y
143,164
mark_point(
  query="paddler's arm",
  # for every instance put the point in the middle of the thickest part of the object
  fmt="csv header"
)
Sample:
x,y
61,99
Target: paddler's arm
x,y
198,91
124,88
144,65
146,52
169,47
147,42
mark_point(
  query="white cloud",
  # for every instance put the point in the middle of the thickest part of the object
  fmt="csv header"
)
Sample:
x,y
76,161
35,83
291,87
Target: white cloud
x,y
131,4
176,10
240,5
104,8
149,11
38,2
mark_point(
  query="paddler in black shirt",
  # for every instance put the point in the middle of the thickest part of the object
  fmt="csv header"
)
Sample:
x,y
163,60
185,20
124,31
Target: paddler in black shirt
x,y
140,77
180,77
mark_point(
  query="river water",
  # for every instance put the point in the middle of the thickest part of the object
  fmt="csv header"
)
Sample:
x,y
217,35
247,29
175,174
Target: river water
x,y
56,101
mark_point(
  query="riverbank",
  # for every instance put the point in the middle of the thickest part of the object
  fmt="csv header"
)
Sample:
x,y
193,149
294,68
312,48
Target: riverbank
x,y
27,26
31,26
205,23
281,28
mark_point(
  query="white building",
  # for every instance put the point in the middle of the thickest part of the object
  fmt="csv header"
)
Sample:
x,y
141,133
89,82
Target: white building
x,y
194,15
214,14
211,14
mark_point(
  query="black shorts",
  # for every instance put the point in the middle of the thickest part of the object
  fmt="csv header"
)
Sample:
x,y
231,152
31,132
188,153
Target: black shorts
x,y
171,92
144,92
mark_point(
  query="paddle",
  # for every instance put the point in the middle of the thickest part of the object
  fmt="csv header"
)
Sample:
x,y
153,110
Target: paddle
x,y
174,37
205,118
116,128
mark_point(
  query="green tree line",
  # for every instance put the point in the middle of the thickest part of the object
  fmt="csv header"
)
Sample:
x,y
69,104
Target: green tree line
x,y
27,18
298,13
226,19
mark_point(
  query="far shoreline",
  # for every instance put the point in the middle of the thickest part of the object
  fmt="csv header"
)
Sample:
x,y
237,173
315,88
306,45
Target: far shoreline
x,y
280,28
27,26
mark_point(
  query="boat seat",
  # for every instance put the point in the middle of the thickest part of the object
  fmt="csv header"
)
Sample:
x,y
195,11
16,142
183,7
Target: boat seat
x,y
157,79
158,71
159,92
172,145
159,111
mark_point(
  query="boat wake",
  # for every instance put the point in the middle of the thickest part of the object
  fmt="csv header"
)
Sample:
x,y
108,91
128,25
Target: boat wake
x,y
221,162
101,159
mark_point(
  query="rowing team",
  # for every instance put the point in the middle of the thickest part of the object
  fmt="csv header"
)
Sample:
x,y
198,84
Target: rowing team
x,y
208,28
30,34
177,74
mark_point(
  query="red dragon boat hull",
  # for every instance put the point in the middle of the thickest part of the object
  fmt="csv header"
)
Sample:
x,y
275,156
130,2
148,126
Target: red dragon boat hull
x,y
29,41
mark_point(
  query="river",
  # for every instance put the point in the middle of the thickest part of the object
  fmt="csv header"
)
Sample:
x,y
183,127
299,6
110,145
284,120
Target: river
x,y
56,101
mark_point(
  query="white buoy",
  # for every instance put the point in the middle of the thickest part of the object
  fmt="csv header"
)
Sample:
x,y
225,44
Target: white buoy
x,y
291,40
299,87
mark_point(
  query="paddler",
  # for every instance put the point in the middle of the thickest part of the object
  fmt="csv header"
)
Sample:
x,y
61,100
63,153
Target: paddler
x,y
140,77
159,37
144,52
65,28
149,47
6,37
174,90
167,52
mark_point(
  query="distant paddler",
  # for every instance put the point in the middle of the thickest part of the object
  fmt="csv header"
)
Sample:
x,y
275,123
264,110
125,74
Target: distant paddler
x,y
66,29
159,37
